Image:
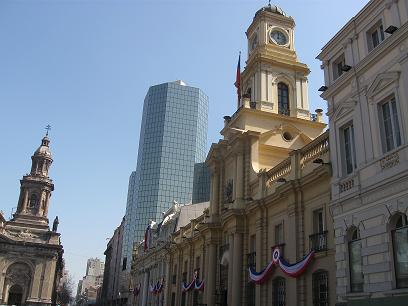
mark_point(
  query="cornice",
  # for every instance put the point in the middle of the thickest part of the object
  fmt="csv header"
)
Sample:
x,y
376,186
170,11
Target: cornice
x,y
370,59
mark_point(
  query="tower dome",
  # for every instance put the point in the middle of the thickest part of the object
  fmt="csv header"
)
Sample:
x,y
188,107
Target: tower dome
x,y
44,149
271,8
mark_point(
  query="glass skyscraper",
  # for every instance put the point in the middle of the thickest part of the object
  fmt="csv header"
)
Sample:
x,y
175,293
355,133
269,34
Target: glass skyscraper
x,y
173,140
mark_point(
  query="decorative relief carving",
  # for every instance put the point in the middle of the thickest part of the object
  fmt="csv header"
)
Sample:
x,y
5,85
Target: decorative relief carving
x,y
389,161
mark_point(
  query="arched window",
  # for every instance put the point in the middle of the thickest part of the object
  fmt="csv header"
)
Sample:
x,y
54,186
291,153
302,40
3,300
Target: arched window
x,y
283,99
399,234
33,201
320,284
279,294
355,261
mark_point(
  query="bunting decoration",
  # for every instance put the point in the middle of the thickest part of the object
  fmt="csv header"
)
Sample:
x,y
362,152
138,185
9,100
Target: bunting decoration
x,y
156,289
194,284
293,270
199,285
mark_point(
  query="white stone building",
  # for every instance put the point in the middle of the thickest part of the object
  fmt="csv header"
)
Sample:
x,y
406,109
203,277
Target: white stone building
x,y
366,86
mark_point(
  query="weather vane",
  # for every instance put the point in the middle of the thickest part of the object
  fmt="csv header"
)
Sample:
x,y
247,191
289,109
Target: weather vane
x,y
47,128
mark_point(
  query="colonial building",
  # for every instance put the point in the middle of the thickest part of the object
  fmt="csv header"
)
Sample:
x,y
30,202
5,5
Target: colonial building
x,y
267,237
113,270
30,252
151,267
366,87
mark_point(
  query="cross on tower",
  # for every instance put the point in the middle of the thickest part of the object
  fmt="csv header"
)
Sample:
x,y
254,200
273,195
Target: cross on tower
x,y
47,128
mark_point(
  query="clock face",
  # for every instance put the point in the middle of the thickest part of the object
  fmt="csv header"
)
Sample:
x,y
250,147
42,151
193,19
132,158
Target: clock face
x,y
278,37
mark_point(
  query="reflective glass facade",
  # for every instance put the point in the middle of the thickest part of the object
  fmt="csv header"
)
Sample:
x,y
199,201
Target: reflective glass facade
x,y
173,139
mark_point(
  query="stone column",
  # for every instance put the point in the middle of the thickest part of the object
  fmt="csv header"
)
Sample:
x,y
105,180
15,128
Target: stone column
x,y
212,272
258,248
230,268
47,201
25,200
215,183
145,288
237,266
239,190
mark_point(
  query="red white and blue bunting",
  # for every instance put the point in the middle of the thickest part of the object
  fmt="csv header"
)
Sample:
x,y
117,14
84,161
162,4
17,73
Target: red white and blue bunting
x,y
293,270
194,284
156,289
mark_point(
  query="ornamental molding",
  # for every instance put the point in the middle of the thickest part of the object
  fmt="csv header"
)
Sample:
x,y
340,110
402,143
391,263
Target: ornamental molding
x,y
343,109
380,82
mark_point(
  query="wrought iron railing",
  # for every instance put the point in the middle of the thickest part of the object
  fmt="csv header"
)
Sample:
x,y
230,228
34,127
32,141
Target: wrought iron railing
x,y
318,241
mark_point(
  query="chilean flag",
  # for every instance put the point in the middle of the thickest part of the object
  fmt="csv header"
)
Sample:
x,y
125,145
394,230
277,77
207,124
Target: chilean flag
x,y
238,78
147,236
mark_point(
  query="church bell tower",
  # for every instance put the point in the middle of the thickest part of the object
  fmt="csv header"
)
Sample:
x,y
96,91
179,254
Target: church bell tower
x,y
36,188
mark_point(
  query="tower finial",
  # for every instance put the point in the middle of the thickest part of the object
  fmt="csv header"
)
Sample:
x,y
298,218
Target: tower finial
x,y
47,128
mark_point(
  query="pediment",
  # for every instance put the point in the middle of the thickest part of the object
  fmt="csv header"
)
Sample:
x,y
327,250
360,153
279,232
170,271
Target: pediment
x,y
280,129
382,81
343,109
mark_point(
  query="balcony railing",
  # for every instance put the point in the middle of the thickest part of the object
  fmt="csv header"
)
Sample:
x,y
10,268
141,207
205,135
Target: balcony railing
x,y
251,258
318,242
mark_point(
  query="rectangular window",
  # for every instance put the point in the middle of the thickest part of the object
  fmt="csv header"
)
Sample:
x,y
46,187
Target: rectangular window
x,y
279,234
318,240
338,66
124,263
252,243
390,130
356,271
348,148
318,221
375,36
320,284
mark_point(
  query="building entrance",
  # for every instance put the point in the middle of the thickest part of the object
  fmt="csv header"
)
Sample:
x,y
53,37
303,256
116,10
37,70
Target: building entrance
x,y
15,296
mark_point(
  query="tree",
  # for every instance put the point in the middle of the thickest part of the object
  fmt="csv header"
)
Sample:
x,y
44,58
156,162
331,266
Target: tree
x,y
65,290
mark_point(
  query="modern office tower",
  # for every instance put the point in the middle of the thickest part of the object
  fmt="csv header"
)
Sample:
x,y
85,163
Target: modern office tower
x,y
173,140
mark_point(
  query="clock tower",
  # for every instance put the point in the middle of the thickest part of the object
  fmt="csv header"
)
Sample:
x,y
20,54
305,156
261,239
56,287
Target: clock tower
x,y
273,77
274,107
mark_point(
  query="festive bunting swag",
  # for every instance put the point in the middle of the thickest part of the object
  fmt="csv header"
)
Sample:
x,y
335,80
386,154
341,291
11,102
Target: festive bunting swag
x,y
156,289
293,270
194,284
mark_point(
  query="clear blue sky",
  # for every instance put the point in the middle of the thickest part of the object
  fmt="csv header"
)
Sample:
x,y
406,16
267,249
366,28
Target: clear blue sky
x,y
85,66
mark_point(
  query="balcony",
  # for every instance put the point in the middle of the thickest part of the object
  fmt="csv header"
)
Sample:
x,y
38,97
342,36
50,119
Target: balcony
x,y
318,242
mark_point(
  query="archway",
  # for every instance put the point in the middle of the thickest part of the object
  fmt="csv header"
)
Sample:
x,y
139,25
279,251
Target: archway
x,y
15,295
17,283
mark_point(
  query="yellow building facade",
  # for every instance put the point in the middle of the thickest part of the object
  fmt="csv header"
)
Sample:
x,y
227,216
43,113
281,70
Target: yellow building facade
x,y
267,236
